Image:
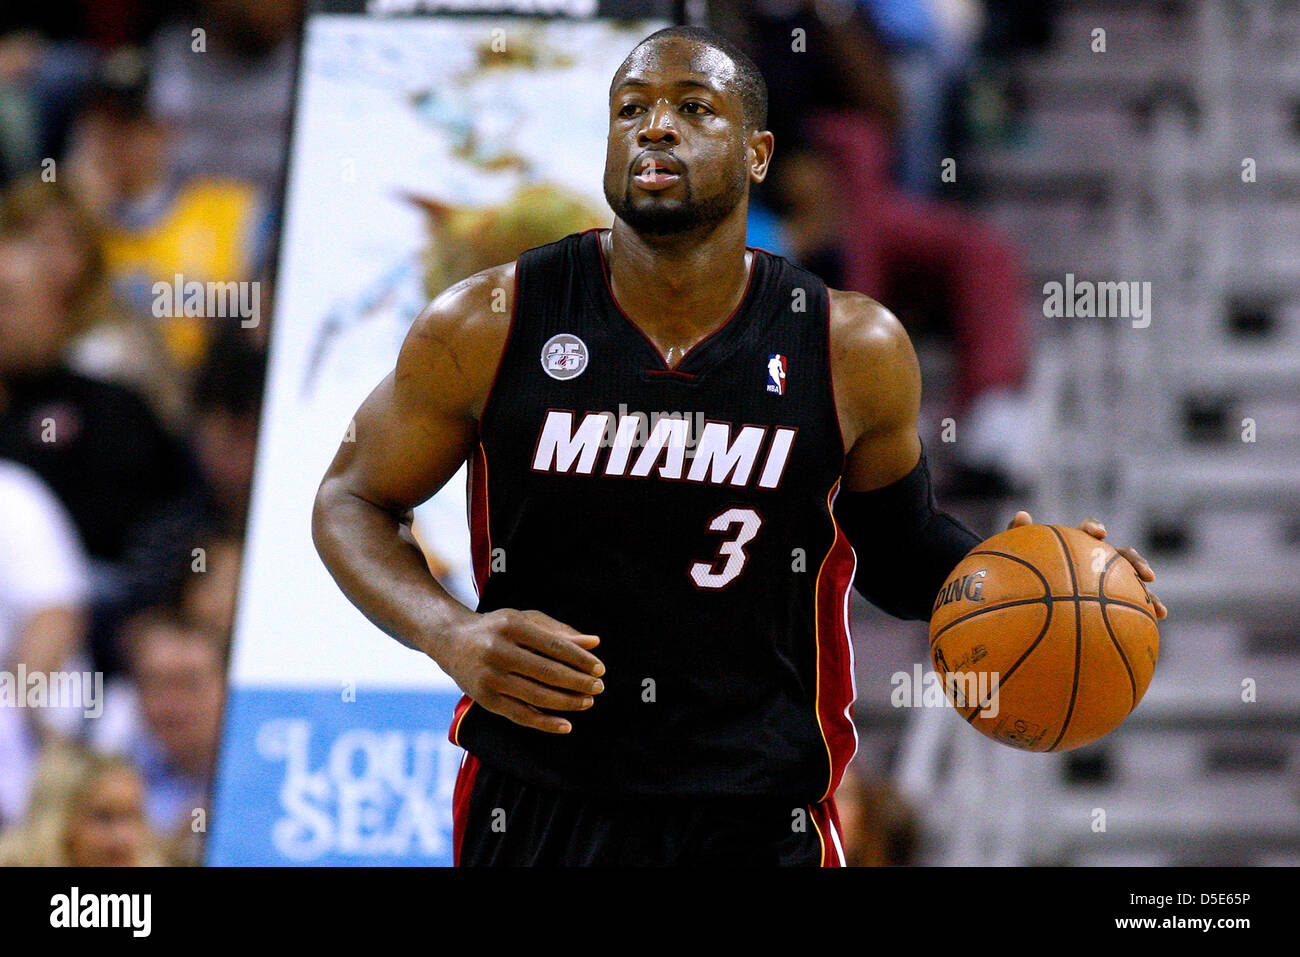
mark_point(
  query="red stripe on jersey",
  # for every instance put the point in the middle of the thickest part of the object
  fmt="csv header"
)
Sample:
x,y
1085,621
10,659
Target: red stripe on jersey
x,y
480,536
460,803
826,820
835,655
457,716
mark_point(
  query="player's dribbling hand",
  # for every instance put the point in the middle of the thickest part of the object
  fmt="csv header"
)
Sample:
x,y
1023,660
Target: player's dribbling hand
x,y
1097,530
515,663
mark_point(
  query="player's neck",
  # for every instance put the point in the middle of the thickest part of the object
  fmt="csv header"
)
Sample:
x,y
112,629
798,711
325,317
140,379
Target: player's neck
x,y
680,286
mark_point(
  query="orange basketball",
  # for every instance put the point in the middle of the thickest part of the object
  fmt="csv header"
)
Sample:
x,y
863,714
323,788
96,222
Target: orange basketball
x,y
1044,638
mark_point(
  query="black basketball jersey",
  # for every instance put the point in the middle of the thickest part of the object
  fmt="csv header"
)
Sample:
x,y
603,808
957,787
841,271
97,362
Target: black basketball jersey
x,y
684,516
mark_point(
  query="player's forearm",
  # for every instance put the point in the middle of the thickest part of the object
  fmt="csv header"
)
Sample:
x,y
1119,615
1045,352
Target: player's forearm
x,y
904,575
905,545
383,573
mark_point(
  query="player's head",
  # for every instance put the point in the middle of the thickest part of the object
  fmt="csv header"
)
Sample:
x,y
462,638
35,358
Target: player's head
x,y
686,115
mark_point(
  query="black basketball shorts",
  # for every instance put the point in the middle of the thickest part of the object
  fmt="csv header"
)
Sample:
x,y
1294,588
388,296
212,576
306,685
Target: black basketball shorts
x,y
500,820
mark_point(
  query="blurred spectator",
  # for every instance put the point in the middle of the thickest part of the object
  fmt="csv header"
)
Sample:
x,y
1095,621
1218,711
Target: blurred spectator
x,y
43,214
810,217
101,24
48,55
227,401
97,445
835,114
44,589
815,57
167,719
20,53
87,810
108,343
930,46
131,433
207,599
230,101
43,577
159,223
224,424
878,827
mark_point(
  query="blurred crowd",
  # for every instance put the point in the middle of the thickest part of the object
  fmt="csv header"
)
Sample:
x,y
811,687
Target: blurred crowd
x,y
874,104
143,142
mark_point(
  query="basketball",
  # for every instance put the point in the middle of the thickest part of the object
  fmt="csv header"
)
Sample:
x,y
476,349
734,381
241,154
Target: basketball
x,y
1044,638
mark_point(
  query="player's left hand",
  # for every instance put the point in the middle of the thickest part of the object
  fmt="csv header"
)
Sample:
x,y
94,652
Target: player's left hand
x,y
1097,530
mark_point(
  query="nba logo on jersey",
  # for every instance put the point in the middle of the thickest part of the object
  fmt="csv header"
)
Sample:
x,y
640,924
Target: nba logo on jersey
x,y
776,374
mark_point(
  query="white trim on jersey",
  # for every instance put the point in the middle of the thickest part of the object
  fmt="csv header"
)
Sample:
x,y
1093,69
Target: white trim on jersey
x,y
835,839
848,634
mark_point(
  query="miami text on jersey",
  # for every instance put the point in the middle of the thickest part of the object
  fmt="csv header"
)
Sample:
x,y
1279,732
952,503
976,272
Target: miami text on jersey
x,y
716,458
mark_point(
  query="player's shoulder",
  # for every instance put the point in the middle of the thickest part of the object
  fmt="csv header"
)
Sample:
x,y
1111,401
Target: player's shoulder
x,y
481,306
863,329
873,366
472,306
468,317
856,320
455,344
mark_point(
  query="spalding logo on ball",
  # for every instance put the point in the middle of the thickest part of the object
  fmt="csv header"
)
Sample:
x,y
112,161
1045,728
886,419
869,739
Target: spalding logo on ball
x,y
1044,637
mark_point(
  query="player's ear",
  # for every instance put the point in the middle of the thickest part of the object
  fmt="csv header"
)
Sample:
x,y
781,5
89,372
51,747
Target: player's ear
x,y
761,143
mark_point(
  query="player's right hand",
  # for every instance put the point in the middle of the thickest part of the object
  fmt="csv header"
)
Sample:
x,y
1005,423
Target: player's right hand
x,y
516,663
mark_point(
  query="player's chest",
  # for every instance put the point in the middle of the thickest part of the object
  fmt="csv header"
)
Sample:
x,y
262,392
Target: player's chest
x,y
600,407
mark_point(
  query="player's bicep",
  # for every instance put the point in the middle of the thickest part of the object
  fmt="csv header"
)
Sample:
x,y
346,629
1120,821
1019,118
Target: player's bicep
x,y
881,458
878,382
404,447
413,432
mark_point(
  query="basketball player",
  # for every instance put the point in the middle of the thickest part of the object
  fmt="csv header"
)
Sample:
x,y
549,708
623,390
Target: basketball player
x,y
659,669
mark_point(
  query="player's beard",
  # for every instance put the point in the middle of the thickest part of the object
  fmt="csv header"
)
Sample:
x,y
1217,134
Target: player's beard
x,y
653,214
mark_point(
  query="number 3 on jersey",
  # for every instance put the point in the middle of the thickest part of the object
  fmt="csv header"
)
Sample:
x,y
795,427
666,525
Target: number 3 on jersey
x,y
733,550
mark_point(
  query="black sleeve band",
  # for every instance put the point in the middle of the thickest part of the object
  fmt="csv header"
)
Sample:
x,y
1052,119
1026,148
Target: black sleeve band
x,y
905,546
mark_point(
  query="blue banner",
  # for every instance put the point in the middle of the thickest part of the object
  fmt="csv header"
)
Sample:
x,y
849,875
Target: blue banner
x,y
328,777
